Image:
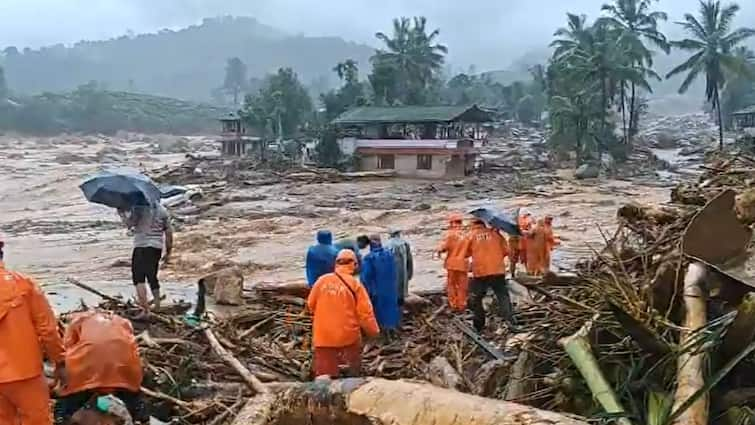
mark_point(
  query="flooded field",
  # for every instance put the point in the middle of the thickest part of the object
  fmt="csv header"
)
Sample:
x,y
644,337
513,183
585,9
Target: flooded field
x,y
52,233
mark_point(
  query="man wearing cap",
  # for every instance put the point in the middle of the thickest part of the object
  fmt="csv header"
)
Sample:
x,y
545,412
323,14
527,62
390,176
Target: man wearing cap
x,y
341,311
27,330
402,257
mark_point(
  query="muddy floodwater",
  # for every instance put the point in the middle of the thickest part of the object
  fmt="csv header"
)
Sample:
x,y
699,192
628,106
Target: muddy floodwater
x,y
52,233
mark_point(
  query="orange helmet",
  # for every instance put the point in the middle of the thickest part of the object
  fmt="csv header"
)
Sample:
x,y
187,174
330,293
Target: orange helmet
x,y
346,256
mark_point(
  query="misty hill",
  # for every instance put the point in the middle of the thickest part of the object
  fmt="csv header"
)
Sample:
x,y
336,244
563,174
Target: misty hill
x,y
186,64
90,109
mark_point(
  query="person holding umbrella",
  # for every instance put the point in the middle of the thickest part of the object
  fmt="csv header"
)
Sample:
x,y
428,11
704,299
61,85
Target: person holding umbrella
x,y
488,250
137,199
152,231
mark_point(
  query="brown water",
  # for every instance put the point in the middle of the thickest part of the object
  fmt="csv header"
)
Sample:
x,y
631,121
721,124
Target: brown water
x,y
52,233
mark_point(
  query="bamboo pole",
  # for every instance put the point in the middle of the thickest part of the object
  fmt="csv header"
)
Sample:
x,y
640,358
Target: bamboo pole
x,y
578,348
691,364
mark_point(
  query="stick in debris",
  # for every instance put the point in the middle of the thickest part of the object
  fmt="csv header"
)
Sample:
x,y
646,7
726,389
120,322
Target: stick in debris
x,y
252,382
86,287
474,336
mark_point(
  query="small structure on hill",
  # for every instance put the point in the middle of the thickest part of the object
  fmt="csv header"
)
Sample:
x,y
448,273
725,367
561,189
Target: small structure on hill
x,y
744,120
234,139
415,141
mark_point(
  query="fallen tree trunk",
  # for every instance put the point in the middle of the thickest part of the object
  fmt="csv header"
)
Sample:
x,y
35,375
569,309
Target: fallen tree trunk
x,y
384,402
691,363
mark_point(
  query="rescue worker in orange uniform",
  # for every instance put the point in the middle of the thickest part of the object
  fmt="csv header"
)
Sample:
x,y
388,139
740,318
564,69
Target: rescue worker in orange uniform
x,y
455,263
488,250
27,329
341,311
525,225
102,358
537,245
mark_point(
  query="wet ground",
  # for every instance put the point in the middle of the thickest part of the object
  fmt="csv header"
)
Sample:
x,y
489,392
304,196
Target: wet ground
x,y
52,233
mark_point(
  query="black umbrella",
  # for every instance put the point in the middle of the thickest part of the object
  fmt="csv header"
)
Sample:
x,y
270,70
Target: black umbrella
x,y
122,189
498,220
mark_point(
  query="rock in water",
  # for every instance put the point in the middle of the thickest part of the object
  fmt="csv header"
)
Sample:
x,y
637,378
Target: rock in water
x,y
587,171
227,286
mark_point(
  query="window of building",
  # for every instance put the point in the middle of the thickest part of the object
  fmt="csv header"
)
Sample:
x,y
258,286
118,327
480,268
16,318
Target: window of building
x,y
386,162
424,162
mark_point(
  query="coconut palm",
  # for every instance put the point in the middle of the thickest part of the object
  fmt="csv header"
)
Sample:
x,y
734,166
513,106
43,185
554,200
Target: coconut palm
x,y
571,37
412,52
712,45
638,25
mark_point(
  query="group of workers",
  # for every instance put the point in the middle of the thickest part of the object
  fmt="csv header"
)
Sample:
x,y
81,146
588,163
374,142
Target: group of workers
x,y
352,295
344,307
95,359
485,252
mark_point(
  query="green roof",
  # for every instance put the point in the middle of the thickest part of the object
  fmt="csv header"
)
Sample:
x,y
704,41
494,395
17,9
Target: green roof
x,y
746,111
412,114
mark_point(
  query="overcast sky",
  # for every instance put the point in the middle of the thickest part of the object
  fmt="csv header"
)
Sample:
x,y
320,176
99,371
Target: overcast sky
x,y
485,32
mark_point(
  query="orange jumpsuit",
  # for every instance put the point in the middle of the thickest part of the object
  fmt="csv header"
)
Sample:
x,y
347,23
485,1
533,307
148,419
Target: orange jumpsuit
x,y
101,354
341,310
27,328
525,224
537,249
456,265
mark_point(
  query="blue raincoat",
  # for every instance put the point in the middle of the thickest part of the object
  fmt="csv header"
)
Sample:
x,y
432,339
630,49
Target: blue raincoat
x,y
321,257
379,278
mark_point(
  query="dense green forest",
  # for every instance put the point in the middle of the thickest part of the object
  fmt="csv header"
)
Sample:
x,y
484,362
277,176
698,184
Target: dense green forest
x,y
185,64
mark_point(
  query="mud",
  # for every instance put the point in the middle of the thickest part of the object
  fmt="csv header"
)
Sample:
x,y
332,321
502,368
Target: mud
x,y
263,226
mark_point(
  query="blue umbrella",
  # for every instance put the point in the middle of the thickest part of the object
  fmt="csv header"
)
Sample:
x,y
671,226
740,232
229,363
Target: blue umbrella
x,y
500,221
122,189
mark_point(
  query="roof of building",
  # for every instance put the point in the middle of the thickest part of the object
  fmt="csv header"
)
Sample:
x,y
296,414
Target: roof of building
x,y
231,116
746,111
412,114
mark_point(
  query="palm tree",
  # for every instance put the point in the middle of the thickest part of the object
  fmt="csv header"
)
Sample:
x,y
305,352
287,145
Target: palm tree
x,y
347,70
638,24
413,52
713,48
572,37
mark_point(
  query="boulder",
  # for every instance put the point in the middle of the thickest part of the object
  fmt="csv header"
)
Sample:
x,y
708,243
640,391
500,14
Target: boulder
x,y
226,286
587,171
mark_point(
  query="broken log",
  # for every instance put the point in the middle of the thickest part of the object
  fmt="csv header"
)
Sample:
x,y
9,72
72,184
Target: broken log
x,y
691,363
384,402
578,348
251,381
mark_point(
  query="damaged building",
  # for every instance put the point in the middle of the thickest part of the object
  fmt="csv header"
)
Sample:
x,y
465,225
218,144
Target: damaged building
x,y
414,141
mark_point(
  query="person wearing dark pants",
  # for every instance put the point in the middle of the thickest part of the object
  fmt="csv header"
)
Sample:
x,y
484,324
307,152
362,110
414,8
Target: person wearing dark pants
x,y
479,288
152,231
488,250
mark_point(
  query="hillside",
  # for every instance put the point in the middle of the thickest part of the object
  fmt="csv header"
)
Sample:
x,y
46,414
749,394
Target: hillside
x,y
91,110
184,64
